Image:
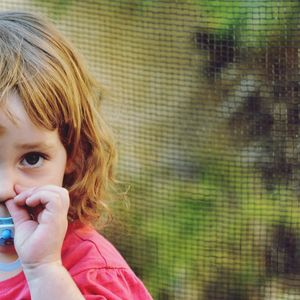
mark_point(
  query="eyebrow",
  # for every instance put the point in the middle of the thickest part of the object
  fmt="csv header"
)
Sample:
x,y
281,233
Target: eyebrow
x,y
38,145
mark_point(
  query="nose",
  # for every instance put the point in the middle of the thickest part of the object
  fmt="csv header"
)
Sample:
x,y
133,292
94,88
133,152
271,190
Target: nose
x,y
7,183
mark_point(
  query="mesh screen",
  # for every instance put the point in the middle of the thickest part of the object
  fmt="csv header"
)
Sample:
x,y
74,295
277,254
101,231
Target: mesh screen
x,y
204,100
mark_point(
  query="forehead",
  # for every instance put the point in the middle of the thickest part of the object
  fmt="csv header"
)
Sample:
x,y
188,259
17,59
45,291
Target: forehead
x,y
12,111
14,119
18,132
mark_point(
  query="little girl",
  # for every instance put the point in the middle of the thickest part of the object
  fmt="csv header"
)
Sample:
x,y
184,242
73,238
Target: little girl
x,y
56,171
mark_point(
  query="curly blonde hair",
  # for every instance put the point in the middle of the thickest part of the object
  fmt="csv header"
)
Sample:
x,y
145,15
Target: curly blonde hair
x,y
38,63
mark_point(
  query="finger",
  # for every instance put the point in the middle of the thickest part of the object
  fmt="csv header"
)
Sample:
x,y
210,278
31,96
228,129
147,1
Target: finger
x,y
22,193
25,192
53,188
42,197
51,200
19,214
21,189
61,192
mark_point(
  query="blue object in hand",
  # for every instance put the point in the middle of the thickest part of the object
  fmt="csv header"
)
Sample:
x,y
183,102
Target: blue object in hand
x,y
7,231
6,234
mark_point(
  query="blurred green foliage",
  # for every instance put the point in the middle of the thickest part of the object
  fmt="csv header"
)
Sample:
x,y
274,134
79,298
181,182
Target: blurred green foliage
x,y
58,6
255,23
211,232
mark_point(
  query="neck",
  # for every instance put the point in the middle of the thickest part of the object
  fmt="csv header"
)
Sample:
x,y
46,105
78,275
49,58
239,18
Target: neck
x,y
9,265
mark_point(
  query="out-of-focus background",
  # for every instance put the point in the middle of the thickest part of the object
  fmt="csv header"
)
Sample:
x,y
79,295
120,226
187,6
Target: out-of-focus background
x,y
204,101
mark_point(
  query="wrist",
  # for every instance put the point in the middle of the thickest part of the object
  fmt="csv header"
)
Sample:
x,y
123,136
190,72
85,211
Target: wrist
x,y
51,281
39,271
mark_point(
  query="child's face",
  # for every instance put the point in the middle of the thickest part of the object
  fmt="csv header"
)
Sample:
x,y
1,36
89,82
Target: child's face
x,y
30,156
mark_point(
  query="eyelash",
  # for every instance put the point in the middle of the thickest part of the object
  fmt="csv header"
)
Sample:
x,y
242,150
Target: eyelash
x,y
40,155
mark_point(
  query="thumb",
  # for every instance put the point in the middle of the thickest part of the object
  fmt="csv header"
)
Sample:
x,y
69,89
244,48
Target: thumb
x,y
19,214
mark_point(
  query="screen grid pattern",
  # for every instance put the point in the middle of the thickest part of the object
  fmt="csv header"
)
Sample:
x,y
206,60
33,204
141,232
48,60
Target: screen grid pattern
x,y
203,96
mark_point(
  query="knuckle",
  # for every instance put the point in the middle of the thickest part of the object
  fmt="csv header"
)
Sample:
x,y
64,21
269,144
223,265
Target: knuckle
x,y
65,192
64,197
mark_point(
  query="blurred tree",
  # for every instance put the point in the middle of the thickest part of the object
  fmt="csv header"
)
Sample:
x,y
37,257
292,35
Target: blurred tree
x,y
256,23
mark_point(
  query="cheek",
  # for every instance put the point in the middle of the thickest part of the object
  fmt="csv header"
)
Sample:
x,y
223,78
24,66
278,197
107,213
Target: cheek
x,y
56,179
38,179
59,168
56,174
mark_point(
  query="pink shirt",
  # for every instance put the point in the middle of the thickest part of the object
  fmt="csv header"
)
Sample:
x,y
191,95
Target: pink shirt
x,y
98,269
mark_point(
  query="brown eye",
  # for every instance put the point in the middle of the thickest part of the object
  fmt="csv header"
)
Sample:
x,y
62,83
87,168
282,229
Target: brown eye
x,y
32,160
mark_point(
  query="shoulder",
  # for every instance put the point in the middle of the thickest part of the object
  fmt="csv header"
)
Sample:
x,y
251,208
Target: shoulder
x,y
98,268
85,248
